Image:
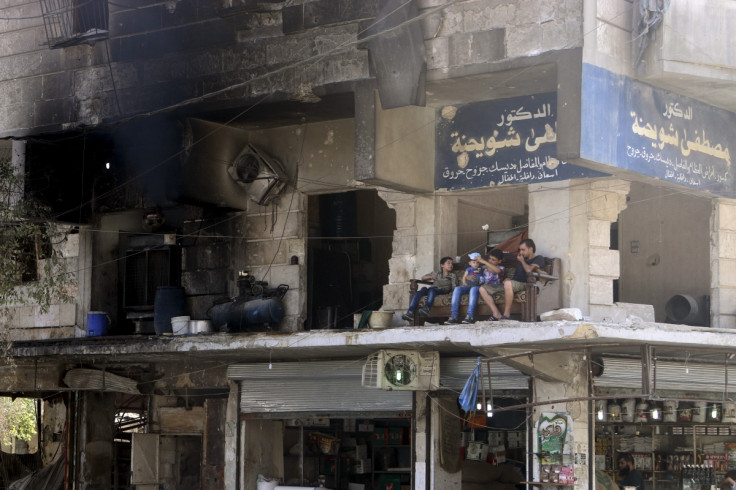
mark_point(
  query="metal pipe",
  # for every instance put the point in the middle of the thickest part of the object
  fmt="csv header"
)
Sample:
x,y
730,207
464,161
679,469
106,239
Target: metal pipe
x,y
76,440
428,442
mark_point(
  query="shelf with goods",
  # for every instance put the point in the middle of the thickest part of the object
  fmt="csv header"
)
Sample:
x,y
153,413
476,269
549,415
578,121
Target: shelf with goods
x,y
311,450
391,454
662,450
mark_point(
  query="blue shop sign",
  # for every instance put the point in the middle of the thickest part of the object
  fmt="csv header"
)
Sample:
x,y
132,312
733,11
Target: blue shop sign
x,y
505,141
658,133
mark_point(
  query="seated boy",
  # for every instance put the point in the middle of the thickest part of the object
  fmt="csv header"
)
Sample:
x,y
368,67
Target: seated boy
x,y
472,279
443,282
493,282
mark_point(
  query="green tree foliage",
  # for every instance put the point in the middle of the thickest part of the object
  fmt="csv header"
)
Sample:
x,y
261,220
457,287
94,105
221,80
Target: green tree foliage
x,y
25,238
17,419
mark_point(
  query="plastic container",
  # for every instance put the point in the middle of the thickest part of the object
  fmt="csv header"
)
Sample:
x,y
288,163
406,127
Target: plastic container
x,y
699,409
170,301
669,411
642,412
381,319
97,323
180,325
628,410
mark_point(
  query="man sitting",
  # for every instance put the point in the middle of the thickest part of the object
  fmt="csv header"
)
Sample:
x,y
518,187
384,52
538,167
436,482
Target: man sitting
x,y
528,263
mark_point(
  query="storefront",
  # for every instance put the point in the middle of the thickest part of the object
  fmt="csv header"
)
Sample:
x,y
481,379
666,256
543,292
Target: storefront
x,y
678,422
329,421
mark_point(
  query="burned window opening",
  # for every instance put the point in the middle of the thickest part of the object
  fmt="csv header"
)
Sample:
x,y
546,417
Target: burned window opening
x,y
30,250
70,176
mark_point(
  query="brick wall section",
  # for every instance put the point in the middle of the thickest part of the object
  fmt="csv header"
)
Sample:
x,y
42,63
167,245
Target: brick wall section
x,y
160,56
265,251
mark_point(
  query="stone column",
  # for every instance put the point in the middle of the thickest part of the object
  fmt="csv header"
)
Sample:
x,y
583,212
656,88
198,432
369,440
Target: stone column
x,y
95,439
436,452
576,451
231,436
572,220
426,229
723,264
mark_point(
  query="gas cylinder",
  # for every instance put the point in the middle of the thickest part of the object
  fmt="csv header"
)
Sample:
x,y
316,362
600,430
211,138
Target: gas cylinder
x,y
244,314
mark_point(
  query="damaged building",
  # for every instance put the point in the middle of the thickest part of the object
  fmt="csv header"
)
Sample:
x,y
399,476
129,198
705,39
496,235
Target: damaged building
x,y
245,191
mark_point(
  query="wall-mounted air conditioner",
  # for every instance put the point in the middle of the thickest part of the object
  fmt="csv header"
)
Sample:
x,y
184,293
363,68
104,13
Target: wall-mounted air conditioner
x,y
262,177
402,370
219,166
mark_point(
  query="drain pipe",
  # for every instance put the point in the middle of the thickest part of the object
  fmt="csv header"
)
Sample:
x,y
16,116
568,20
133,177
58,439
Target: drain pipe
x,y
428,457
76,440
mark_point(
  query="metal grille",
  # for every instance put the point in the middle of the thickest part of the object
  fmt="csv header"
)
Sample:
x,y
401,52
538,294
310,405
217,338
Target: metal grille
x,y
70,22
370,372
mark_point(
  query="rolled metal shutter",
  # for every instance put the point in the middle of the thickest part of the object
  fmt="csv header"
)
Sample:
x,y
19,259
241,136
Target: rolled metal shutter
x,y
335,386
314,387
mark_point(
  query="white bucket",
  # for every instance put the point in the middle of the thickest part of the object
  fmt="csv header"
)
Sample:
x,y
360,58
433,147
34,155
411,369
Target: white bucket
x,y
669,411
627,410
642,413
729,413
699,412
180,325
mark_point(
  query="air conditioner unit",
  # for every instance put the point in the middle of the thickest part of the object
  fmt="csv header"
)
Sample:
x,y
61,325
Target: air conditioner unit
x,y
219,166
262,177
402,370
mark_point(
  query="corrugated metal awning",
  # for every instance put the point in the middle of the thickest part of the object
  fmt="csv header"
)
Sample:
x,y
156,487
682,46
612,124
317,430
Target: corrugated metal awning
x,y
675,376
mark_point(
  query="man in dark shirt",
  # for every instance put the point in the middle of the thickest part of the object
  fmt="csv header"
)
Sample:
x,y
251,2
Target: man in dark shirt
x,y
631,476
528,263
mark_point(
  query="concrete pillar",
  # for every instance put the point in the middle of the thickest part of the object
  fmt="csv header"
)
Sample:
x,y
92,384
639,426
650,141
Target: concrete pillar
x,y
440,452
426,230
571,220
723,264
52,428
262,451
96,430
231,436
576,451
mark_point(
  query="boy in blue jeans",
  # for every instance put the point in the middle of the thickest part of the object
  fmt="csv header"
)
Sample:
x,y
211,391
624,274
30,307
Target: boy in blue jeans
x,y
443,282
472,279
492,272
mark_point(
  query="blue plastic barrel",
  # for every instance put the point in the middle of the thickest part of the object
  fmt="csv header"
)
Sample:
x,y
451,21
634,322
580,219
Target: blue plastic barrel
x,y
170,301
97,323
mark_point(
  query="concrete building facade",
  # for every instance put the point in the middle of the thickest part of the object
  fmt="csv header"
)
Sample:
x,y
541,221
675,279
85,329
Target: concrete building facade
x,y
405,132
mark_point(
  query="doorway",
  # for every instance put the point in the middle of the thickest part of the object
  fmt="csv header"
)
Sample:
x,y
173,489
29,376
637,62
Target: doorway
x,y
350,240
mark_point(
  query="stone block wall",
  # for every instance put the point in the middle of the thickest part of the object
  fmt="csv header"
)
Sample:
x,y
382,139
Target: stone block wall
x,y
723,264
159,55
27,320
264,239
482,32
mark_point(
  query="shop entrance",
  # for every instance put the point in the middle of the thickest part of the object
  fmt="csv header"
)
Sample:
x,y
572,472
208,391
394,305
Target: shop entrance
x,y
348,453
